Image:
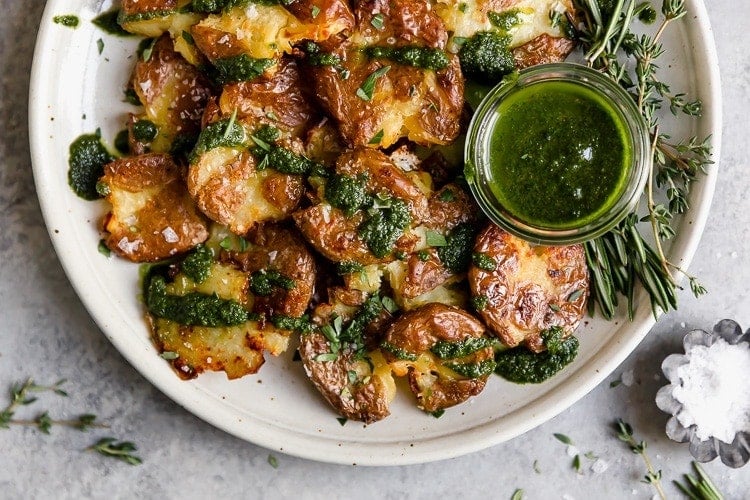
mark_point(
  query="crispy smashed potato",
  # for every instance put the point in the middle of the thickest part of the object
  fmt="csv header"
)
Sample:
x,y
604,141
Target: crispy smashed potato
x,y
276,249
173,92
152,18
527,288
443,352
355,388
230,189
264,31
152,215
405,101
237,350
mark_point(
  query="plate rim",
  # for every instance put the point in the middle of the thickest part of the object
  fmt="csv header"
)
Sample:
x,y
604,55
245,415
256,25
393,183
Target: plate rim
x,y
578,383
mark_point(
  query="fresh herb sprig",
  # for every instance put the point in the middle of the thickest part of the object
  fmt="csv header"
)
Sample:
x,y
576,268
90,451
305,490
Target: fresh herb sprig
x,y
620,259
652,477
109,447
22,394
700,486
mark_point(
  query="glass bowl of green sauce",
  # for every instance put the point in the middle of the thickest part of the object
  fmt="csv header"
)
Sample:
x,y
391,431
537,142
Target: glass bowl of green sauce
x,y
558,155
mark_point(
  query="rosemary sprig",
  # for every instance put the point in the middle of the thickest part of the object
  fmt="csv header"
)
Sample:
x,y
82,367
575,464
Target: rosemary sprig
x,y
700,487
109,447
652,477
621,258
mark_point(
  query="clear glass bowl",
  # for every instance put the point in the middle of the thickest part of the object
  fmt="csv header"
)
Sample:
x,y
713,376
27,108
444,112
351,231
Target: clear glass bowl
x,y
734,454
479,136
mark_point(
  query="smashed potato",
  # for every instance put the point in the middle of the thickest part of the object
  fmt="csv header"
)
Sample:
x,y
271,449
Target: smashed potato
x,y
528,289
443,352
379,100
152,215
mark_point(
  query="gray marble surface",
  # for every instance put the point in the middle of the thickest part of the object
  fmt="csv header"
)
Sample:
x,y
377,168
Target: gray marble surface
x,y
46,333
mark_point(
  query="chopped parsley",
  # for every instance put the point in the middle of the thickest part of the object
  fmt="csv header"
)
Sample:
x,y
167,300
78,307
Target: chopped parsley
x,y
367,88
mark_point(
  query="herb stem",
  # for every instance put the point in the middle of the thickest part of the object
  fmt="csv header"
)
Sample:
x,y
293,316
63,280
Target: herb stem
x,y
75,424
651,211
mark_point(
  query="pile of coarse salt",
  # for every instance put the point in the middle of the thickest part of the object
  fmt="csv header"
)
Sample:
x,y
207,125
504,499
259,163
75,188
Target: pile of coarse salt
x,y
715,390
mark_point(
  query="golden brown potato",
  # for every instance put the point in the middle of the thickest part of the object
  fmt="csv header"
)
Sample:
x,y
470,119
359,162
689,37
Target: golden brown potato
x,y
268,31
464,19
229,189
153,216
336,235
280,249
423,105
444,353
236,350
530,289
281,100
173,92
450,206
151,18
358,390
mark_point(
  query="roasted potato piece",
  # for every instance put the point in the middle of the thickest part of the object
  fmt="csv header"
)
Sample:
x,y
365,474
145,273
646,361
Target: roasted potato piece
x,y
527,288
281,100
152,216
341,357
173,92
358,390
268,31
151,18
229,188
237,350
338,235
405,101
526,19
277,249
444,353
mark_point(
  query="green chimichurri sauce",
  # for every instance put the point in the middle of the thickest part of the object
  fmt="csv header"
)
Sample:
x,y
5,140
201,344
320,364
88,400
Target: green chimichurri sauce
x,y
559,155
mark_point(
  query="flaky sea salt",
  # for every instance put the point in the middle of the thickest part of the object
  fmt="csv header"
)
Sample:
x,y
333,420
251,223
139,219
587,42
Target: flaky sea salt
x,y
715,390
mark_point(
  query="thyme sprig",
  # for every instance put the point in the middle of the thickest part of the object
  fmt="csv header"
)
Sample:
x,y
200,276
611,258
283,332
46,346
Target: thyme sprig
x,y
652,477
22,394
109,447
623,257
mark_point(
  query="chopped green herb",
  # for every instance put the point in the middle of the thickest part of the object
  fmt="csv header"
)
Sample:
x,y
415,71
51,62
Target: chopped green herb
x,y
104,249
389,304
377,21
132,97
100,46
615,383
188,37
438,413
342,420
517,495
377,137
314,11
146,48
577,463
367,88
169,355
328,356
107,22
447,195
302,325
144,131
462,7
563,438
537,469
423,255
68,21
575,295
435,239
273,461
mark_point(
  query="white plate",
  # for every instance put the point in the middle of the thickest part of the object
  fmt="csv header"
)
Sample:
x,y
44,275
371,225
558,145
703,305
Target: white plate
x,y
74,90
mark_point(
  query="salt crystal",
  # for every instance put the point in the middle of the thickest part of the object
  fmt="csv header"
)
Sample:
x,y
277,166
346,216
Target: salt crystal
x,y
627,378
715,390
734,255
170,236
599,466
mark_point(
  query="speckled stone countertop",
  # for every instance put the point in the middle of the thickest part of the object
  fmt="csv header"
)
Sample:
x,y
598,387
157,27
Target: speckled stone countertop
x,y
46,333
